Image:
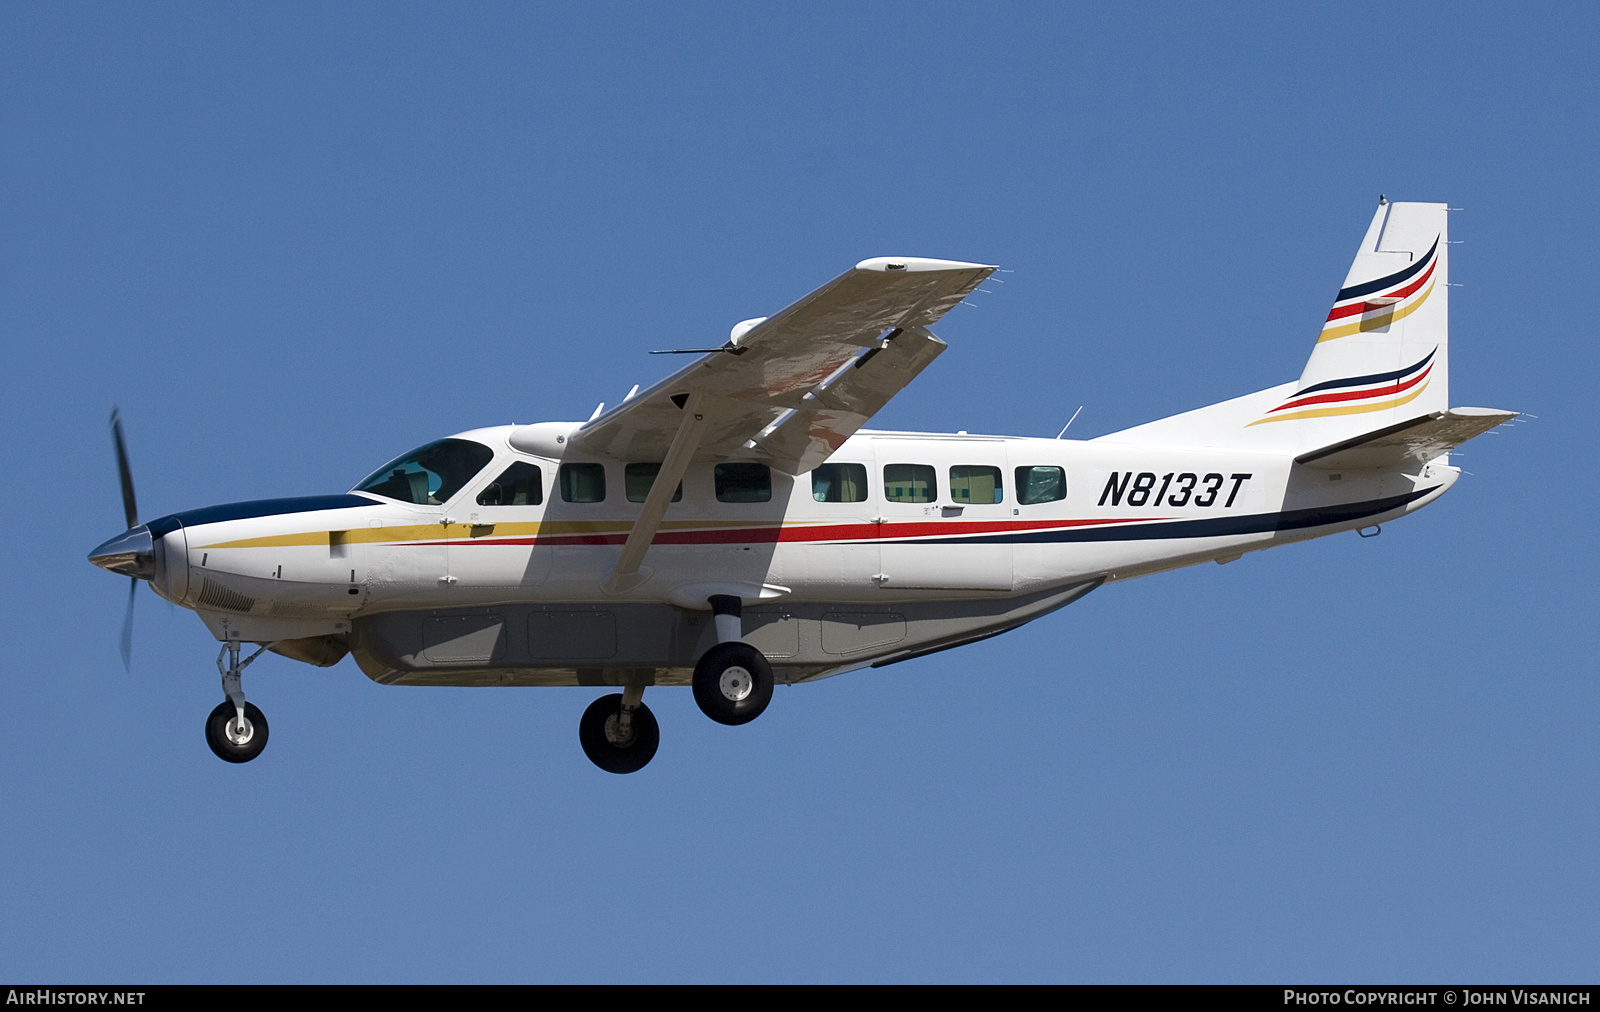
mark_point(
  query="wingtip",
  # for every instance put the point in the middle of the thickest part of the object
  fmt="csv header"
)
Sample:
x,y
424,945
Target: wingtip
x,y
917,265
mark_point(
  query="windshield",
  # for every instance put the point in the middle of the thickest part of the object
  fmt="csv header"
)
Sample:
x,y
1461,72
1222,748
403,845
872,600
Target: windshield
x,y
431,475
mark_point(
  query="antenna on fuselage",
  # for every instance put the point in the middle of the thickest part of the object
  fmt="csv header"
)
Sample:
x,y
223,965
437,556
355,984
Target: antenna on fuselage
x,y
1067,426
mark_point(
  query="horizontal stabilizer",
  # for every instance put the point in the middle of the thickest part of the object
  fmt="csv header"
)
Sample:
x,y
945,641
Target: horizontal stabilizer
x,y
1416,441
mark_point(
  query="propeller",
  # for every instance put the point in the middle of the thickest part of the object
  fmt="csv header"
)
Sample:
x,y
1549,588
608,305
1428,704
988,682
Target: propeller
x,y
130,509
127,626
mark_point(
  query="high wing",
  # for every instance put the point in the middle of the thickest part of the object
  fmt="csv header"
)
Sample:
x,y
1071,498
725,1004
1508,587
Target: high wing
x,y
792,389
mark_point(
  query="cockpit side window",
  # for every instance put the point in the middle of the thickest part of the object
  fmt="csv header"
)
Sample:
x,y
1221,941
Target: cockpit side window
x,y
521,484
429,476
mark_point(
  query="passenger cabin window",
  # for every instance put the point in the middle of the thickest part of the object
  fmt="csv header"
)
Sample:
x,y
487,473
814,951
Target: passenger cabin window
x,y
638,478
521,484
429,476
743,483
974,484
839,483
583,482
1040,484
909,483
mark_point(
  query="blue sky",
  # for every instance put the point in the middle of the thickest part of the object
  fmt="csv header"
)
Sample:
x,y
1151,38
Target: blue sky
x,y
292,241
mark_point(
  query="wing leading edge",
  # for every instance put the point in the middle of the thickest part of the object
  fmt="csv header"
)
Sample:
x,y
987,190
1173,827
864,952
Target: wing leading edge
x,y
793,388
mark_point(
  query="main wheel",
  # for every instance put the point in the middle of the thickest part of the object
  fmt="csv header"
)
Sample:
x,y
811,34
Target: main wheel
x,y
231,742
600,733
733,683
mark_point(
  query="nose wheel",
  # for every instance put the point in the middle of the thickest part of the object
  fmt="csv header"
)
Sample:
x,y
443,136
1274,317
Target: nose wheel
x,y
618,732
236,729
235,739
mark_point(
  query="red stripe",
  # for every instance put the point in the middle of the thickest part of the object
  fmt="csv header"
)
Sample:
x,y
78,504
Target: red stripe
x,y
1354,308
967,527
1393,388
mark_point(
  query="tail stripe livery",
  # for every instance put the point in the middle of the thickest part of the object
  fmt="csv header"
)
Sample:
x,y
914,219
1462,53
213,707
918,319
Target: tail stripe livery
x,y
1354,409
1356,291
1380,301
1361,381
1385,306
1394,384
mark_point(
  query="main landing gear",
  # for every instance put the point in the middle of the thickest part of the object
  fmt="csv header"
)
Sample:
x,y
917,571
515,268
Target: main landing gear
x,y
732,681
618,732
732,685
236,730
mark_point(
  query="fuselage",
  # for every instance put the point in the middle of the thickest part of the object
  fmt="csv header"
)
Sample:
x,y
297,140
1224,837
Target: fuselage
x,y
734,527
892,518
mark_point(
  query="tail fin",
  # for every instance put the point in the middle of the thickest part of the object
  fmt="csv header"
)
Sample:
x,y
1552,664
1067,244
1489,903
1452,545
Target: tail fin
x,y
1382,358
1383,355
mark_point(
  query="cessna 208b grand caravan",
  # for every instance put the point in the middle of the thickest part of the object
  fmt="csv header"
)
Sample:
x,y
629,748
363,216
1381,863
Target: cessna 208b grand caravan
x,y
734,526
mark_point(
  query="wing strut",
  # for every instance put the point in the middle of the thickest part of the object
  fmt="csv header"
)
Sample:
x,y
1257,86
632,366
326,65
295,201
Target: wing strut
x,y
626,575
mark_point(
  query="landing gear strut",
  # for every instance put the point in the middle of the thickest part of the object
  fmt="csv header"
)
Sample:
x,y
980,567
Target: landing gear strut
x,y
236,730
732,681
618,732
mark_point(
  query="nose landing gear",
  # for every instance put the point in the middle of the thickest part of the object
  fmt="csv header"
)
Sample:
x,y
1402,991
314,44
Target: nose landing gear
x,y
235,740
236,730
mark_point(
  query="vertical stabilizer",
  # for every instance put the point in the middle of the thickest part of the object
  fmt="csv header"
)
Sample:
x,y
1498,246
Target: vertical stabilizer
x,y
1383,354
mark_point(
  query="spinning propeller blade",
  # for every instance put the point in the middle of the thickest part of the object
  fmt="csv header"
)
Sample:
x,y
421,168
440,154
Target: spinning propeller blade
x,y
130,510
127,627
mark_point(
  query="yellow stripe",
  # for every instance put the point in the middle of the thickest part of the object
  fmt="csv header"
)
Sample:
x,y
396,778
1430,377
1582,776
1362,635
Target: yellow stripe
x,y
1375,322
362,535
439,532
1352,409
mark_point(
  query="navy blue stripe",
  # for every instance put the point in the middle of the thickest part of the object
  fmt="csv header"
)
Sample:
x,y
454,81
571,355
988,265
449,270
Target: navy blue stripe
x,y
1389,282
1377,377
257,508
1219,527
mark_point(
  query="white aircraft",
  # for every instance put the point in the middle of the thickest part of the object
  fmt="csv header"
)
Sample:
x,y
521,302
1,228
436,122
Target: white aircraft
x,y
734,526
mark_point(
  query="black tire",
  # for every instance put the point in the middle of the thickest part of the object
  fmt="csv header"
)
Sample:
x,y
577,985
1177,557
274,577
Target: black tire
x,y
223,746
629,757
742,702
